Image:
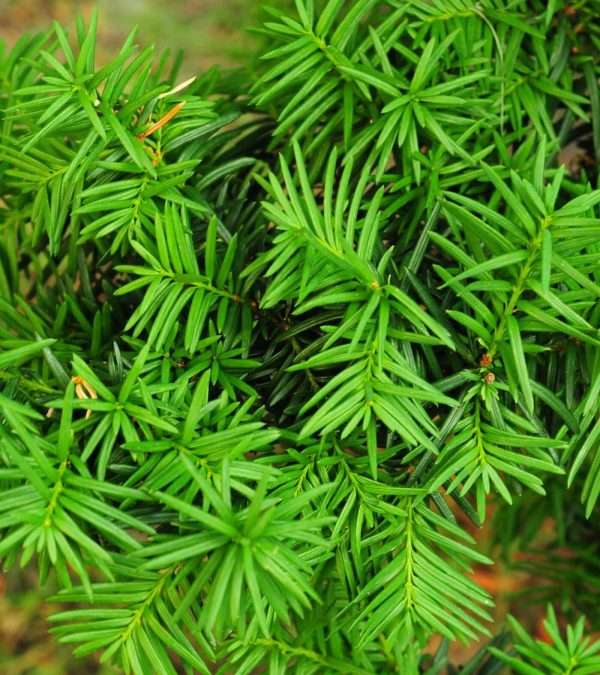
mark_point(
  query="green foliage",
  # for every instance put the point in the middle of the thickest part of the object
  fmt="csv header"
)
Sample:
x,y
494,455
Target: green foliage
x,y
267,343
577,654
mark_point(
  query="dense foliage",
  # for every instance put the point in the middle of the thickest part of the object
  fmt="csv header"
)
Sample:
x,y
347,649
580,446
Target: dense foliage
x,y
270,338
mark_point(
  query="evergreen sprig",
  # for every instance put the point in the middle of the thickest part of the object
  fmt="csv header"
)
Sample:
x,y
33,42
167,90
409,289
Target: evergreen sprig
x,y
269,337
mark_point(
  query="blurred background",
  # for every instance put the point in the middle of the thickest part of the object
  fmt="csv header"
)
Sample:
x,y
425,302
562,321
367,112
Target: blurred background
x,y
210,31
